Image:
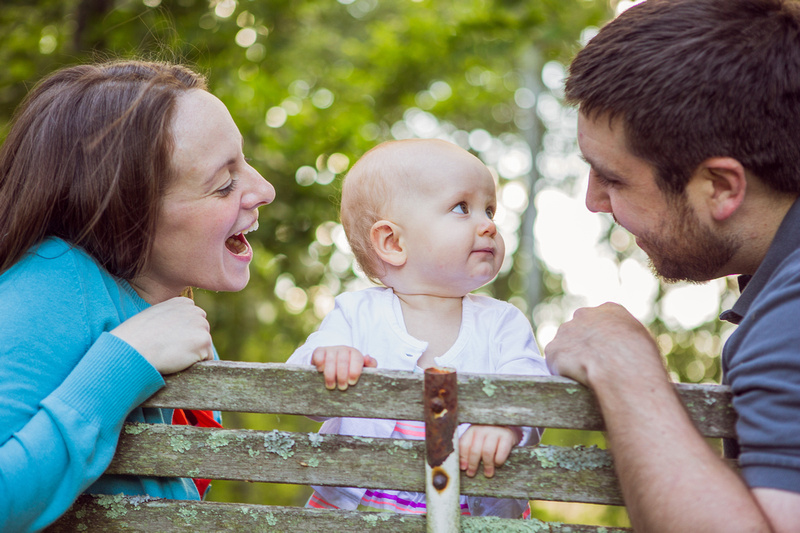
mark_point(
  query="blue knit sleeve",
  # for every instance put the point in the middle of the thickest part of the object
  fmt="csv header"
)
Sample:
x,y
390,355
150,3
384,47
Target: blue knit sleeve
x,y
66,386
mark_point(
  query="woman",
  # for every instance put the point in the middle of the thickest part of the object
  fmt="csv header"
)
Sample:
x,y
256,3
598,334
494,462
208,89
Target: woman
x,y
121,184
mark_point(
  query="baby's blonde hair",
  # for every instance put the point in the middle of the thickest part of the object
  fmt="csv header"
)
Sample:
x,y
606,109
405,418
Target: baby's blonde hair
x,y
367,195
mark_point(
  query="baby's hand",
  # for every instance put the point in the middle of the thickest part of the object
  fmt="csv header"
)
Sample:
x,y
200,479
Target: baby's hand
x,y
492,444
341,365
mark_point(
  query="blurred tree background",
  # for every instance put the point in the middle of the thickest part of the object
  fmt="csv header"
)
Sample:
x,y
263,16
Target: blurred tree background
x,y
312,85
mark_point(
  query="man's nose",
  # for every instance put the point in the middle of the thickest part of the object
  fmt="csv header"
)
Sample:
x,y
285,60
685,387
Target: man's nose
x,y
597,199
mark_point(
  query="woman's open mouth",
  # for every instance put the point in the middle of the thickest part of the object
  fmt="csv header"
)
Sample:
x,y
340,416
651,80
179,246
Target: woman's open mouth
x,y
237,244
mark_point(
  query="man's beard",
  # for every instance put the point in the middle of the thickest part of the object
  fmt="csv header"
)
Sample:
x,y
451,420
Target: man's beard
x,y
686,250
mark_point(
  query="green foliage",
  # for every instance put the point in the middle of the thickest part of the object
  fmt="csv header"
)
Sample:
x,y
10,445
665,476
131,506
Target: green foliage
x,y
312,85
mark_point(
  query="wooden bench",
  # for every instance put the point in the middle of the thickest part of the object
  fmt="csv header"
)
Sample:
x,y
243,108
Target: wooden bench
x,y
580,474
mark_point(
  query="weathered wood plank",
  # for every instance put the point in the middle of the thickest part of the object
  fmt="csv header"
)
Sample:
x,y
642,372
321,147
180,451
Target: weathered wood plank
x,y
541,473
138,514
288,389
268,456
557,402
498,399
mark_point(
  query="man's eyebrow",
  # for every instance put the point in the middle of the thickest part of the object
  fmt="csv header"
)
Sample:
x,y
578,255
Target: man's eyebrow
x,y
603,171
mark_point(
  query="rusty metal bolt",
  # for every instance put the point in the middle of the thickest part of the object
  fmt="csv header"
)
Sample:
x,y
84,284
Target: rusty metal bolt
x,y
440,480
437,405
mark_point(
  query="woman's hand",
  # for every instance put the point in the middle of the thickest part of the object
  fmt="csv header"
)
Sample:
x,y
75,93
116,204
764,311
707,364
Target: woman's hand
x,y
172,335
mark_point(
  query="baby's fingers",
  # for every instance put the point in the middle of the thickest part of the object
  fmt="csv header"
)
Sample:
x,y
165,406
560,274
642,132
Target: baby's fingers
x,y
344,363
464,444
357,363
330,371
471,453
488,453
341,365
325,361
503,451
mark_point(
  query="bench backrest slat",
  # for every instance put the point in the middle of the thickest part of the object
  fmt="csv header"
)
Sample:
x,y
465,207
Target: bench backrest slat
x,y
116,513
498,399
541,473
552,473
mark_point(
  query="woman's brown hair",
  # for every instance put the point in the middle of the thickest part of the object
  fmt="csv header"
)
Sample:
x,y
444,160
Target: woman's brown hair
x,y
88,158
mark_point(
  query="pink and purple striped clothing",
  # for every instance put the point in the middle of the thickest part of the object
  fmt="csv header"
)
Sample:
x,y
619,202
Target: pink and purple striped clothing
x,y
393,500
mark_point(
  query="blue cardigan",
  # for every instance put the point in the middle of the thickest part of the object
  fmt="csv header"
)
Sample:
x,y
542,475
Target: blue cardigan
x,y
67,385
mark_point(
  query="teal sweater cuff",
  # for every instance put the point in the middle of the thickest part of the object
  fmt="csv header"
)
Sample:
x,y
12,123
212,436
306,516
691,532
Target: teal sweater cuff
x,y
109,382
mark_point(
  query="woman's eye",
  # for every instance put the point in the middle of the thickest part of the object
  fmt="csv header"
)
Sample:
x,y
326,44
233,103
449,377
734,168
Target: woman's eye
x,y
461,208
227,189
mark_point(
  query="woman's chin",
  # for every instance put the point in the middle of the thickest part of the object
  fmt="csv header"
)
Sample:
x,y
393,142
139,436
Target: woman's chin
x,y
230,283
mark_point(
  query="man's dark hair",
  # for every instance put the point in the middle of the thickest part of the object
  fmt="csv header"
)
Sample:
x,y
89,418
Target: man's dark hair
x,y
693,79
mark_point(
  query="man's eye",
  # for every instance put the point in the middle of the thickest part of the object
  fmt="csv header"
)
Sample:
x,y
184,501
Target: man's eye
x,y
461,208
602,180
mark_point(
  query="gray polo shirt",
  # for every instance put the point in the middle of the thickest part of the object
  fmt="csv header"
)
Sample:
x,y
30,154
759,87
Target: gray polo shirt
x,y
761,363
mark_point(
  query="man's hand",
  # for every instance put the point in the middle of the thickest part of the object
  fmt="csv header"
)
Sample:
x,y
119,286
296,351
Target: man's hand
x,y
490,444
341,365
605,340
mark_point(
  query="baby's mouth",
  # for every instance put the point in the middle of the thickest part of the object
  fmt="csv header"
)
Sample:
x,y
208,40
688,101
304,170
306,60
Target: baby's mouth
x,y
237,244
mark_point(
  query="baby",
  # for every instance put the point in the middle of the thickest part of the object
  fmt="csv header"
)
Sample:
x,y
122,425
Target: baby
x,y
418,215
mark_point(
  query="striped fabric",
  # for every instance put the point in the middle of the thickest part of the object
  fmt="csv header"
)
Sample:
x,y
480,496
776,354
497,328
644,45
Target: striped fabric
x,y
392,500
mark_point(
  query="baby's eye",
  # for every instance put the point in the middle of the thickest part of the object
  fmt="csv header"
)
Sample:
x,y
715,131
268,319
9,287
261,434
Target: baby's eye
x,y
490,212
461,208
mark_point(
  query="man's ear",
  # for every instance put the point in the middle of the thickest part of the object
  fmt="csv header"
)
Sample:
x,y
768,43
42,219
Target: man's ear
x,y
724,185
388,243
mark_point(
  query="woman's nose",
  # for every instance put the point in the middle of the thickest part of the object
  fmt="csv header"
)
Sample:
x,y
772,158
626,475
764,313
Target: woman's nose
x,y
261,191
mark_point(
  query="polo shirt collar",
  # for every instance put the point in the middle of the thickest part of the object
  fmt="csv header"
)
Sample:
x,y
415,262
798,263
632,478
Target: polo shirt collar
x,y
786,241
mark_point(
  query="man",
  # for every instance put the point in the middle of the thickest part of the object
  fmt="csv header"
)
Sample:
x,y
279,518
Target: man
x,y
689,117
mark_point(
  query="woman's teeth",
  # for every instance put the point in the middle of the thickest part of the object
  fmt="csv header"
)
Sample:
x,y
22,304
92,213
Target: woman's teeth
x,y
237,244
251,228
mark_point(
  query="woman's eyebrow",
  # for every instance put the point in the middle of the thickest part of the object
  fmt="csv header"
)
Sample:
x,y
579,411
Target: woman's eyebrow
x,y
212,176
232,161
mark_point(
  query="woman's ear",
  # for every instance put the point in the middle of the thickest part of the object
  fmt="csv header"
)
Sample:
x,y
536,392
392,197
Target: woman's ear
x,y
725,185
387,242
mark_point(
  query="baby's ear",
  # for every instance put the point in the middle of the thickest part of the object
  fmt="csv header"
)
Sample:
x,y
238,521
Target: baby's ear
x,y
387,242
